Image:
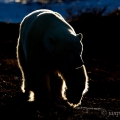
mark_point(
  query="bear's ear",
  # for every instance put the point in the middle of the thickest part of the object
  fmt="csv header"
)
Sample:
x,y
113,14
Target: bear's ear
x,y
52,40
80,36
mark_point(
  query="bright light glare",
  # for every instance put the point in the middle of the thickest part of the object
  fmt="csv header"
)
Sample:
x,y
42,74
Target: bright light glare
x,y
22,1
31,96
64,87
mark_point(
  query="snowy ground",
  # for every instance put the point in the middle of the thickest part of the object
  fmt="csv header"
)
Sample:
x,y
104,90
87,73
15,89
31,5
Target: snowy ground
x,y
11,11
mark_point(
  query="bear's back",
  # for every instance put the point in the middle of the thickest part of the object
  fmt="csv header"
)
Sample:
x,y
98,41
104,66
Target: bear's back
x,y
29,19
45,18
38,14
39,26
42,20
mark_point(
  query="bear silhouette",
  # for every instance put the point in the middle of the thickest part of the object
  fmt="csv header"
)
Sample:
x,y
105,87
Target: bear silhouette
x,y
49,55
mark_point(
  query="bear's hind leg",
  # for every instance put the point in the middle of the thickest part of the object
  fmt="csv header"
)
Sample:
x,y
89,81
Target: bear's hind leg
x,y
22,65
39,84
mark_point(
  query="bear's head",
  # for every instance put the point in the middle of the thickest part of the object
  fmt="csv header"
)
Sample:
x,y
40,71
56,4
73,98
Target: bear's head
x,y
67,54
77,85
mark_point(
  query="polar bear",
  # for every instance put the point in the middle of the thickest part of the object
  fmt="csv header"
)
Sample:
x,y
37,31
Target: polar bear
x,y
49,55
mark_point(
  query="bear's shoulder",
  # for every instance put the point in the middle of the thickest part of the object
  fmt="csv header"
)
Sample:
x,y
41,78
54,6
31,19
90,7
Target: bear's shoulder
x,y
41,15
42,12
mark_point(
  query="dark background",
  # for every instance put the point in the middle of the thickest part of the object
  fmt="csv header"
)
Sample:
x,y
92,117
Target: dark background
x,y
101,54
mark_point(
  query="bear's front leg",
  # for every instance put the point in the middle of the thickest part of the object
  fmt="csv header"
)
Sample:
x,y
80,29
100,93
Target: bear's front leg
x,y
55,87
